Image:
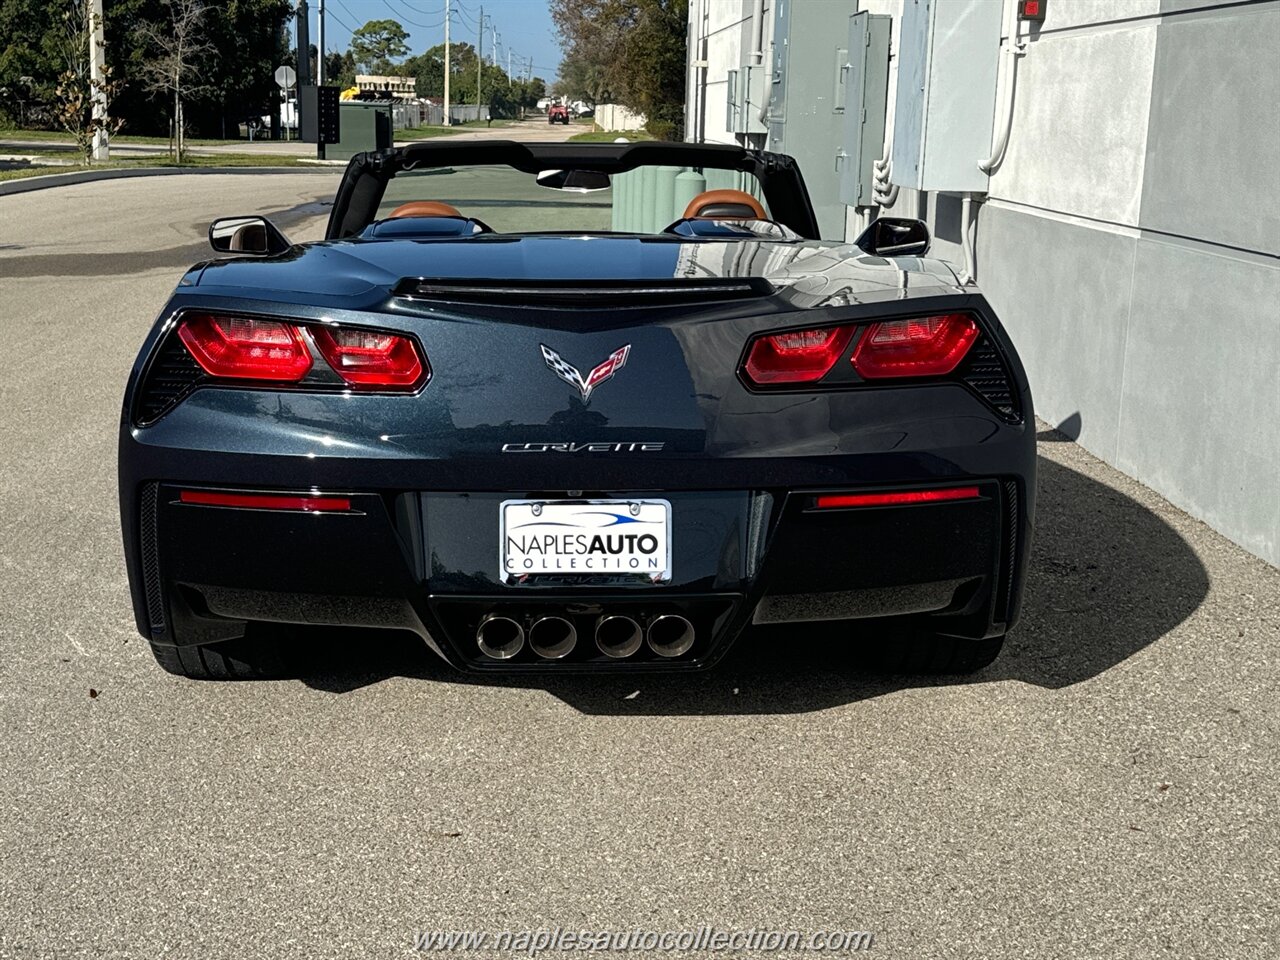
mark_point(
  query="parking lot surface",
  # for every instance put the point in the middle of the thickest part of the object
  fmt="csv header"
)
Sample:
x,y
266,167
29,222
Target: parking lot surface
x,y
1106,789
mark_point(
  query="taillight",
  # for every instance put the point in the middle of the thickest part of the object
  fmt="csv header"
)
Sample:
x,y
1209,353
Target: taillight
x,y
799,356
918,347
367,358
245,348
309,503
837,501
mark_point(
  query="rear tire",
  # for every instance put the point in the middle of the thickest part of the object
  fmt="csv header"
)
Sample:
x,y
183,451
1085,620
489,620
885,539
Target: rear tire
x,y
923,652
258,659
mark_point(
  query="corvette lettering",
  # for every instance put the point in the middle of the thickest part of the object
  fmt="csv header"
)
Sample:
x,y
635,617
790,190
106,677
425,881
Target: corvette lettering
x,y
570,447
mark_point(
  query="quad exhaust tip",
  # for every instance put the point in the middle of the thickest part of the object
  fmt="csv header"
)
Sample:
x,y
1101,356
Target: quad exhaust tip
x,y
555,637
552,638
499,637
670,635
618,636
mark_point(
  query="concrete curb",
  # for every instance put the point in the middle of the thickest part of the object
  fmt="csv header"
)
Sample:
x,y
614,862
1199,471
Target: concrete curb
x,y
28,184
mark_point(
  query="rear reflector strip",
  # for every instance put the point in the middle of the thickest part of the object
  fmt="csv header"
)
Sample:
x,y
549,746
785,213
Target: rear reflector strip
x,y
267,501
835,500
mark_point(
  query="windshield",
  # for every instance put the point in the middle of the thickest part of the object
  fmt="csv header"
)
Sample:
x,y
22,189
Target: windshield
x,y
644,200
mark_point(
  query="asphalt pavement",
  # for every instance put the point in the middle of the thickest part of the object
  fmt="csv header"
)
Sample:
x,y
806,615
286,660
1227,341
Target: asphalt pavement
x,y
1106,789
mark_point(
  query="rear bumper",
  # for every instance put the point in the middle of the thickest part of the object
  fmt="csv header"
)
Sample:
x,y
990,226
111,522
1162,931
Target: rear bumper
x,y
425,475
427,562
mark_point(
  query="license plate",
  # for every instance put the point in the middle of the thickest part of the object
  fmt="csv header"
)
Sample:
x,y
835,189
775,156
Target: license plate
x,y
585,538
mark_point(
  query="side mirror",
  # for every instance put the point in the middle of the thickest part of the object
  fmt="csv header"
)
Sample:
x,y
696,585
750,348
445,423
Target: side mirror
x,y
247,235
895,237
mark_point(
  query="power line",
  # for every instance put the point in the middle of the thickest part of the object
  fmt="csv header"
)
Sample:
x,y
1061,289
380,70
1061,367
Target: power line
x,y
470,18
330,13
412,23
349,14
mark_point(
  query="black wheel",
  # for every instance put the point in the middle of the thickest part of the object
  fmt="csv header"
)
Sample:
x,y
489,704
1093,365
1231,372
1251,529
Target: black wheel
x,y
923,652
259,658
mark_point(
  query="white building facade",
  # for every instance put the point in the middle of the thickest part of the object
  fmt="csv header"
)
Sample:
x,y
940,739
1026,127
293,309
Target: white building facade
x,y
1127,229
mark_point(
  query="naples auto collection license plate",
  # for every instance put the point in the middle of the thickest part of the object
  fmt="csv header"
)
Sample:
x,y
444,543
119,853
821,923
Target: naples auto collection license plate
x,y
587,538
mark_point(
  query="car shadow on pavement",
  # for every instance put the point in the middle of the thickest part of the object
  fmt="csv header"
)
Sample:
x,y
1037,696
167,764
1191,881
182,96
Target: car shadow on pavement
x,y
1107,578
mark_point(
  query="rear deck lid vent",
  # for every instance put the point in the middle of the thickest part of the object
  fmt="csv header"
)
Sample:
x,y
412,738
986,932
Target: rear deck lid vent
x,y
618,294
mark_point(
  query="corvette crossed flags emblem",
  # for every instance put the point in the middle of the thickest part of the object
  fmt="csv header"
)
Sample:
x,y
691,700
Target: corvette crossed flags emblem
x,y
567,372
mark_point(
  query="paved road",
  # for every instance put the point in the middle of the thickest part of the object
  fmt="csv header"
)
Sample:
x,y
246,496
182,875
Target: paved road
x,y
1107,789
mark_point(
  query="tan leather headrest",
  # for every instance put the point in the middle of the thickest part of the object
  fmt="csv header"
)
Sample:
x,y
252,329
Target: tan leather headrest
x,y
424,208
724,205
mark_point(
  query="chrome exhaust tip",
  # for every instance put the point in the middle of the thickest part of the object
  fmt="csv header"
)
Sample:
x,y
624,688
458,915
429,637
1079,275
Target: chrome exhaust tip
x,y
618,637
499,637
670,635
552,637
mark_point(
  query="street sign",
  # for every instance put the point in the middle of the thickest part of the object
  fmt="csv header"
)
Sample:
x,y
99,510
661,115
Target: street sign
x,y
285,77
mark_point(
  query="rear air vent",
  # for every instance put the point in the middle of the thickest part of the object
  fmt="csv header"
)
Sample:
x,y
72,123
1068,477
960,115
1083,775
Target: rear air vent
x,y
171,376
984,372
617,294
149,543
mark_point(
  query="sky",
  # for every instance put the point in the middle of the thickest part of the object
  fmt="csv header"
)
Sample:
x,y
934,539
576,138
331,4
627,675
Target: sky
x,y
524,26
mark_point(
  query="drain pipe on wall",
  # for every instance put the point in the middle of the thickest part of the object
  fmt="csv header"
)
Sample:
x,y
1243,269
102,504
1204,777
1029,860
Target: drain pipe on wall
x,y
1013,51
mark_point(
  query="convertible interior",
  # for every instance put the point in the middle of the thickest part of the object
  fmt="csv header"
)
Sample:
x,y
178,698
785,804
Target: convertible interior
x,y
723,213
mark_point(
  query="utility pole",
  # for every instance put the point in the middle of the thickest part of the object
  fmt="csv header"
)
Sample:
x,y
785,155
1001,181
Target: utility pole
x,y
320,41
508,68
479,58
319,79
303,30
97,65
446,63
302,75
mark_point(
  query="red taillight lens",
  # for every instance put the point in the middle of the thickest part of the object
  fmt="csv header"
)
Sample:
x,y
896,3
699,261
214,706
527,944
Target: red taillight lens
x,y
367,358
314,503
918,347
245,348
800,356
895,498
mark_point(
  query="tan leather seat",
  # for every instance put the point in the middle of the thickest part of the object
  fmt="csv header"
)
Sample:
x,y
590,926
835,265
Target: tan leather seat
x,y
251,238
724,205
424,208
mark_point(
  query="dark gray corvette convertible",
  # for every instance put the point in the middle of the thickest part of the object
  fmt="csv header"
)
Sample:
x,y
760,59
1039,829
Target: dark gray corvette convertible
x,y
559,407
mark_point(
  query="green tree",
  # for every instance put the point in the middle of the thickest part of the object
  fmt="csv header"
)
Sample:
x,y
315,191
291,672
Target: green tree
x,y
655,51
377,44
31,43
340,69
583,79
178,55
628,51
428,71
77,89
248,36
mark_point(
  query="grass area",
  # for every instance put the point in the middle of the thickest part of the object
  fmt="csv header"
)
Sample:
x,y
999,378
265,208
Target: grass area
x,y
608,136
59,136
21,173
431,131
221,160
426,133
